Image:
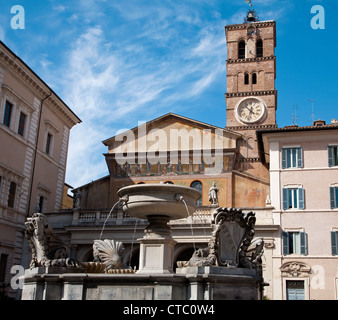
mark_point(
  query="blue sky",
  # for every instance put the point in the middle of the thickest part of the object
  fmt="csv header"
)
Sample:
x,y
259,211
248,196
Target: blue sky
x,y
116,63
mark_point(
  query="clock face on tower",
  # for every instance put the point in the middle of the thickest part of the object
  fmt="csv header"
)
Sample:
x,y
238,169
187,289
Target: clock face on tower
x,y
250,110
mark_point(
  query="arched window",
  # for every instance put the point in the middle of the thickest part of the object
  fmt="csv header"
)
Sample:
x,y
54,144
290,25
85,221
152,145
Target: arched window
x,y
168,182
254,78
241,49
259,48
197,185
246,79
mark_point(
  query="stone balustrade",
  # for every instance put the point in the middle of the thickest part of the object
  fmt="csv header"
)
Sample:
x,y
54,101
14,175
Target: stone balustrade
x,y
88,217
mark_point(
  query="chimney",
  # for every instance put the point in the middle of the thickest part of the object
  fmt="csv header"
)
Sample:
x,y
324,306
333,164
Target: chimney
x,y
319,123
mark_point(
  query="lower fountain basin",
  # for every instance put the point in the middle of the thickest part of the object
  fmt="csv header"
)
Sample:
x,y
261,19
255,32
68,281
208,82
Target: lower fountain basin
x,y
145,200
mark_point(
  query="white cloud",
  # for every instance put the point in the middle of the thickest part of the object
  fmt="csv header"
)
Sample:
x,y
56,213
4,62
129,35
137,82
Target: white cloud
x,y
137,71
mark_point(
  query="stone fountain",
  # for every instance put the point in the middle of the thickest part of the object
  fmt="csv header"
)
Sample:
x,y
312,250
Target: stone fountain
x,y
158,203
229,268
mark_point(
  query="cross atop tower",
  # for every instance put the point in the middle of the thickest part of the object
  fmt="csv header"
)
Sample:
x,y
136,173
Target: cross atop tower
x,y
251,15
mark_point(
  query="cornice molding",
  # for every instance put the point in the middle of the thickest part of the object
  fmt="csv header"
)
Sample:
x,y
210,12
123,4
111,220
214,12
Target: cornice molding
x,y
253,93
255,127
247,60
37,86
258,24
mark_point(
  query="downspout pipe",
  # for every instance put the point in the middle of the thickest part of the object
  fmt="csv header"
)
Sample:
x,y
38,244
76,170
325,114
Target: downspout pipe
x,y
35,152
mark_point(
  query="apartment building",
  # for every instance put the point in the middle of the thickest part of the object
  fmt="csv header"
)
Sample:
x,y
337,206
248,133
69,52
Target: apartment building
x,y
34,134
304,195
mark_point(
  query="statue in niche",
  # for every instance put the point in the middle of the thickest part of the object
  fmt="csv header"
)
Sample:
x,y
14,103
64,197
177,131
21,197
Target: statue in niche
x,y
127,169
137,169
191,167
158,168
213,194
179,167
77,200
148,167
168,167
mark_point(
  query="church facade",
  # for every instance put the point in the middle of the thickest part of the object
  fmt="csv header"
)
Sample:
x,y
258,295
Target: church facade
x,y
177,150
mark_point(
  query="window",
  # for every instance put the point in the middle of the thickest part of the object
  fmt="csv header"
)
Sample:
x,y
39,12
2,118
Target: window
x,y
254,78
41,204
168,182
295,290
8,114
259,48
3,266
293,198
49,143
333,156
1,188
294,243
22,122
241,50
11,195
292,158
246,79
334,197
334,243
197,185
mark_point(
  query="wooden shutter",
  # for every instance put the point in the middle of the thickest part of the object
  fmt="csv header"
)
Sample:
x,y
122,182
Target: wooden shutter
x,y
300,157
301,202
331,156
285,199
332,197
303,244
285,237
334,236
284,162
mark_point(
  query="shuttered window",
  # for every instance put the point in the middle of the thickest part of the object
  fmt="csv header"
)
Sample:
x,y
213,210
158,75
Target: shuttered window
x,y
333,156
334,243
333,197
292,158
293,198
294,243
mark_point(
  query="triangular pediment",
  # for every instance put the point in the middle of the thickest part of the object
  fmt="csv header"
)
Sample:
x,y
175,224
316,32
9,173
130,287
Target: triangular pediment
x,y
171,132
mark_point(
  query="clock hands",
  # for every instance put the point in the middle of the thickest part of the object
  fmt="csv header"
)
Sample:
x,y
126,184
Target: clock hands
x,y
250,109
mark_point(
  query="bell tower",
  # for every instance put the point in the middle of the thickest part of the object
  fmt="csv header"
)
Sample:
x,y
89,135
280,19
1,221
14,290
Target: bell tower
x,y
251,96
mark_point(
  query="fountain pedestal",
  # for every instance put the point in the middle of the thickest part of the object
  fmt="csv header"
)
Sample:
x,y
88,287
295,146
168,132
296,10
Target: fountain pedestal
x,y
158,204
156,247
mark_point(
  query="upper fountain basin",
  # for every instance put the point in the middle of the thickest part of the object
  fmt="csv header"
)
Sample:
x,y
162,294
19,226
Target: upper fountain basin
x,y
146,200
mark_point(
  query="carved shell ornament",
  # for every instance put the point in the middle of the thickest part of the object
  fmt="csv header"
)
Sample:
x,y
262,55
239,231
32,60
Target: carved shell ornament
x,y
108,252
